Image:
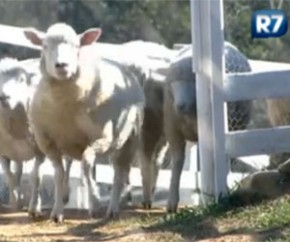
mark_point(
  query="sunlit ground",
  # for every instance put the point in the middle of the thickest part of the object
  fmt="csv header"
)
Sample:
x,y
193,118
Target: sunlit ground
x,y
268,221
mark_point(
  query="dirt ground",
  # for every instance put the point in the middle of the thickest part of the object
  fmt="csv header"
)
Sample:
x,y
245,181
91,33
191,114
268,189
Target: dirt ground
x,y
131,226
77,227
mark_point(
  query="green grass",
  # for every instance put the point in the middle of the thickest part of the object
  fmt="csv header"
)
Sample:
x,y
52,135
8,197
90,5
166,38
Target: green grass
x,y
270,221
268,215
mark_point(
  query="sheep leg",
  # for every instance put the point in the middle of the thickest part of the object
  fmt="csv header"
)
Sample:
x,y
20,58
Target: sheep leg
x,y
122,160
127,193
120,173
17,177
148,171
58,206
49,148
102,158
93,192
151,145
160,161
155,177
177,159
34,208
66,188
126,196
14,191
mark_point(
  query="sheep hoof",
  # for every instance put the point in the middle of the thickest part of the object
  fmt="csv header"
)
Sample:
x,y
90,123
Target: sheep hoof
x,y
171,209
147,205
94,206
34,214
92,214
112,214
59,219
129,197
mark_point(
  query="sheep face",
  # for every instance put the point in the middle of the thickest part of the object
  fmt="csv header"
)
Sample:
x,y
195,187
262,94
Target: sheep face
x,y
13,81
184,97
12,90
182,85
60,48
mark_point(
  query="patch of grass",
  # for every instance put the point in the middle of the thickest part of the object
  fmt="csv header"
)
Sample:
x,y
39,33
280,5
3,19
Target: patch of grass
x,y
267,218
197,214
277,240
268,214
265,215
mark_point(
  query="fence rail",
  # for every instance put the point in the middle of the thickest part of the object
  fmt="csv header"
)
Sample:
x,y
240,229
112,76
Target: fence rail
x,y
14,35
260,141
264,84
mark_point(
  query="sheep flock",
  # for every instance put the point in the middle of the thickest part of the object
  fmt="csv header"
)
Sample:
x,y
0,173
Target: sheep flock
x,y
83,101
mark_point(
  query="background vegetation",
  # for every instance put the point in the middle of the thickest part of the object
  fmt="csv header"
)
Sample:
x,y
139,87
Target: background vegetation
x,y
162,21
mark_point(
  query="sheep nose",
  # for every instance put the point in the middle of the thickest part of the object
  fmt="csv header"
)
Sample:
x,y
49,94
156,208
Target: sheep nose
x,y
60,65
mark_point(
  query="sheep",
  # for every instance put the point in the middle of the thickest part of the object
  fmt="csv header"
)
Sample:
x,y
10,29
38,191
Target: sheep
x,y
146,63
180,115
278,112
15,137
146,66
18,80
261,185
151,60
84,105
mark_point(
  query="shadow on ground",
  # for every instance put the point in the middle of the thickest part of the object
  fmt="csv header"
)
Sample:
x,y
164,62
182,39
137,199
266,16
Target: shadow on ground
x,y
134,224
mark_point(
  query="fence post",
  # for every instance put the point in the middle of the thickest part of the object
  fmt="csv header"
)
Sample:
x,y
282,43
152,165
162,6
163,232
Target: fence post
x,y
219,108
204,108
207,42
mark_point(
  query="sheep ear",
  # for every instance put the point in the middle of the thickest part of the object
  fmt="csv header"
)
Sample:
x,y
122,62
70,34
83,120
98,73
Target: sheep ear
x,y
90,36
34,36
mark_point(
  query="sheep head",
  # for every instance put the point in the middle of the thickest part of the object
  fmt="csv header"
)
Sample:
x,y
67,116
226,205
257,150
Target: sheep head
x,y
60,48
15,81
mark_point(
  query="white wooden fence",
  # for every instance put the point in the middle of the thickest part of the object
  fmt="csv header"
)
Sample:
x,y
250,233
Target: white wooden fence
x,y
214,88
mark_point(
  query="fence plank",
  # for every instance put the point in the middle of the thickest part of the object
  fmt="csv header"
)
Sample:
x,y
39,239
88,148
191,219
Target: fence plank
x,y
15,36
259,141
261,65
256,85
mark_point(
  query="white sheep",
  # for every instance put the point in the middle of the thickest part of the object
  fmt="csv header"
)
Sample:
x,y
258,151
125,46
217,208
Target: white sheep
x,y
18,80
150,65
84,105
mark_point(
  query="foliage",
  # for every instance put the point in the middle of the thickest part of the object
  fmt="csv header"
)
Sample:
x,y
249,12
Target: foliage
x,y
163,21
